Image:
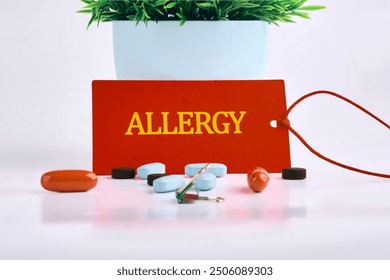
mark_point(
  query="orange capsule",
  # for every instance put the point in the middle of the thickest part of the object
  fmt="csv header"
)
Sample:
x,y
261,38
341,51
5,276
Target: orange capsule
x,y
69,180
258,179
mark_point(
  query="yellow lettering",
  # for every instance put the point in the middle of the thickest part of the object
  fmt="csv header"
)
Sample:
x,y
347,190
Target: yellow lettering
x,y
165,125
135,122
225,124
204,123
185,122
236,121
149,125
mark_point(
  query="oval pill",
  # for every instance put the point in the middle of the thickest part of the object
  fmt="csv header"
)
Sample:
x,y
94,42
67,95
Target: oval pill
x,y
122,173
150,168
258,179
168,183
206,182
69,180
154,176
218,169
294,173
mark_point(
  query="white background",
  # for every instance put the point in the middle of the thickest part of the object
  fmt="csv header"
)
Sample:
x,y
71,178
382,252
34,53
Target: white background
x,y
48,60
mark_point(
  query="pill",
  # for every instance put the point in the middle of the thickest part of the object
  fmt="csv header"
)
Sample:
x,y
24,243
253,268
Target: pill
x,y
154,176
206,182
150,168
258,179
218,169
122,173
168,183
69,180
294,173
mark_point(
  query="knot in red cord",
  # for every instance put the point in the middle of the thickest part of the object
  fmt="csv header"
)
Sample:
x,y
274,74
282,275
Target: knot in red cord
x,y
283,123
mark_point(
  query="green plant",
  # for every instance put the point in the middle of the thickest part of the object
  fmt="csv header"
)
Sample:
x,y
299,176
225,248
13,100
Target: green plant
x,y
272,11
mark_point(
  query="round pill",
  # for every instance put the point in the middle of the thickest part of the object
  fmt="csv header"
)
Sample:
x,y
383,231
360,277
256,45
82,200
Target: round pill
x,y
69,180
168,183
258,179
294,173
206,182
150,168
122,173
218,169
154,176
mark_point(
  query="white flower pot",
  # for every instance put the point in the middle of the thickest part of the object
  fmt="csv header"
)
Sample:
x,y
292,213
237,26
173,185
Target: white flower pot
x,y
199,50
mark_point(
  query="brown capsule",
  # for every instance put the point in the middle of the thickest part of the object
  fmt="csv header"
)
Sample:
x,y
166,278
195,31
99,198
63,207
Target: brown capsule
x,y
258,179
69,180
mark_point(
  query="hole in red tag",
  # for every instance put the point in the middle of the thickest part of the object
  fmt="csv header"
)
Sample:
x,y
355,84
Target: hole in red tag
x,y
274,123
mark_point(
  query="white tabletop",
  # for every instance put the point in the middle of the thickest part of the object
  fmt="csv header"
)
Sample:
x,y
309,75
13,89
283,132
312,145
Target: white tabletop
x,y
327,216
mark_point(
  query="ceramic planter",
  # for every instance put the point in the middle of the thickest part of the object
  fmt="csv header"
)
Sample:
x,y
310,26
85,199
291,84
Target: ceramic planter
x,y
199,50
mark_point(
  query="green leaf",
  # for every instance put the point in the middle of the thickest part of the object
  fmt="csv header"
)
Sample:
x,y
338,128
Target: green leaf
x,y
311,8
84,11
300,14
170,5
204,5
92,5
161,2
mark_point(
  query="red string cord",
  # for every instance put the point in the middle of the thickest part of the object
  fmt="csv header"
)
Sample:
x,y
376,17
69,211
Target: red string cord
x,y
285,122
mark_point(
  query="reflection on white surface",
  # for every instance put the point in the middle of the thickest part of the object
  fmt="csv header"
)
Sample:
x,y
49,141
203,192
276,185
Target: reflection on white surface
x,y
322,217
128,202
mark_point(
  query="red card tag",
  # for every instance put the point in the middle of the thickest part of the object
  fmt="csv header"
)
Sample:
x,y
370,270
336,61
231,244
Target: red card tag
x,y
182,122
